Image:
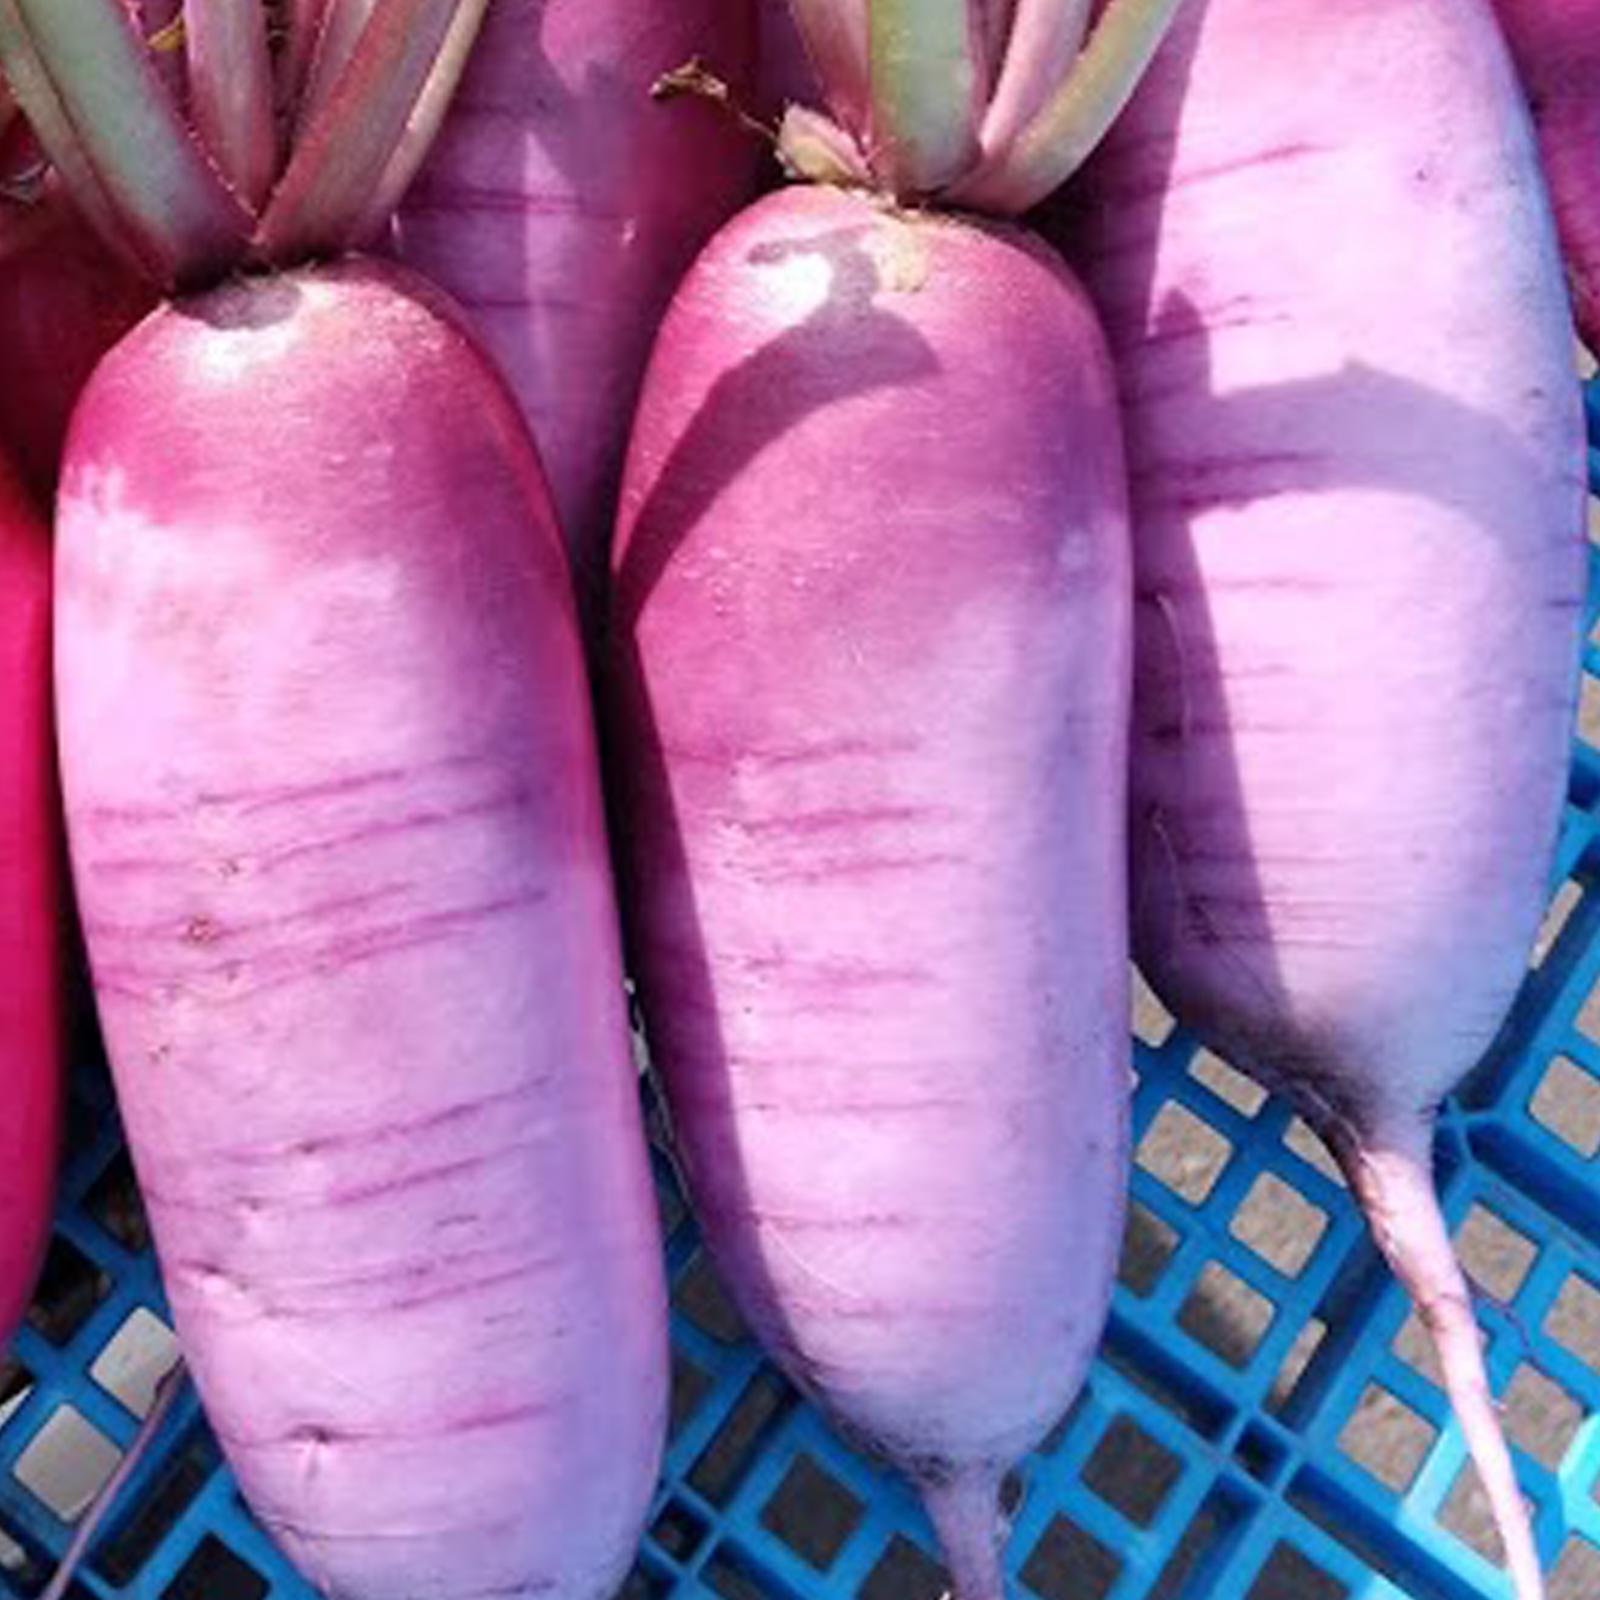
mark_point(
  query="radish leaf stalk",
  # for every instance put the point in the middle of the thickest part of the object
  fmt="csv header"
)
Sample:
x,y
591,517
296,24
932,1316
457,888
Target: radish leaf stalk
x,y
926,84
1063,134
230,79
322,203
835,35
992,23
341,24
422,124
1045,38
105,96
28,83
303,24
942,125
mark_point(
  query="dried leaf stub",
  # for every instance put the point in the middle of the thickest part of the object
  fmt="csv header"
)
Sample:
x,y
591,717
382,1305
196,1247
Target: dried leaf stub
x,y
815,149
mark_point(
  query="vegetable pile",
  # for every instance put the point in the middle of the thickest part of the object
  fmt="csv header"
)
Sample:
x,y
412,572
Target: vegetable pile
x,y
922,589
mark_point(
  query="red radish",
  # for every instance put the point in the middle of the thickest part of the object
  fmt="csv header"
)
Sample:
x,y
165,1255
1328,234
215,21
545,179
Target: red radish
x,y
561,205
1557,47
1356,453
64,301
30,904
869,705
336,830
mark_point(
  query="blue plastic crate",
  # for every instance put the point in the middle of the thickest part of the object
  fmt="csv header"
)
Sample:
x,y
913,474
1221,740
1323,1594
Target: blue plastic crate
x,y
1217,1452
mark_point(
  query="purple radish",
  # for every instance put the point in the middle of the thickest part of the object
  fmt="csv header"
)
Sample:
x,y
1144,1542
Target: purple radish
x,y
871,602
562,203
336,830
868,703
1356,453
338,845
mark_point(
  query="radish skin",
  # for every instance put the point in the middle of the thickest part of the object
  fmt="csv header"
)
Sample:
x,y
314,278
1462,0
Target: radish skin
x,y
561,204
337,835
869,692
30,905
1356,452
1557,48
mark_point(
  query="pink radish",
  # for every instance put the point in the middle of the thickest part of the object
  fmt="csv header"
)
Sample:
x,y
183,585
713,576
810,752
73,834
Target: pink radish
x,y
868,705
343,880
337,835
1557,47
561,205
30,904
1356,449
898,1083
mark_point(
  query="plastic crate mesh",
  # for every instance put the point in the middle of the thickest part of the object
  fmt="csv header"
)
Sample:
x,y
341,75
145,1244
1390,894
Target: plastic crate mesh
x,y
1263,1424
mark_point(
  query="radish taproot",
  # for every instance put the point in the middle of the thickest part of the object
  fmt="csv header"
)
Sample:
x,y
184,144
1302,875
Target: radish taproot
x,y
562,203
1556,44
868,694
336,831
1356,454
30,904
